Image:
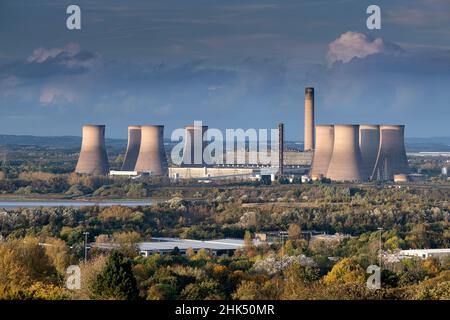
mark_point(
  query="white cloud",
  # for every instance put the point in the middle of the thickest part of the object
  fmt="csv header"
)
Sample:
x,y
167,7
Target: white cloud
x,y
52,95
68,57
41,55
357,45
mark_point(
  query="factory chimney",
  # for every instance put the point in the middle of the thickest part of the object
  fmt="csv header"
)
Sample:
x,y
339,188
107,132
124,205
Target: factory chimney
x,y
152,157
309,120
281,148
93,158
134,143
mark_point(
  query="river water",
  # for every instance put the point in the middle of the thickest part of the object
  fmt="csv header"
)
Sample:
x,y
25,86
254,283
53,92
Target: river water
x,y
71,203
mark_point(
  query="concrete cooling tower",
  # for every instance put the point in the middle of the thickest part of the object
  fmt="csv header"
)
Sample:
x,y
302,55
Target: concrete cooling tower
x,y
309,120
391,159
134,142
346,162
369,143
152,157
93,158
193,154
323,150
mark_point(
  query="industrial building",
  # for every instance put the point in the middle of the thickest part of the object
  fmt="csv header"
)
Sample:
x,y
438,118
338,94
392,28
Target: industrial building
x,y
224,172
425,253
422,254
93,159
164,246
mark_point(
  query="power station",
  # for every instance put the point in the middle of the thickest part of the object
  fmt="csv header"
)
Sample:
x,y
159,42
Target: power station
x,y
340,152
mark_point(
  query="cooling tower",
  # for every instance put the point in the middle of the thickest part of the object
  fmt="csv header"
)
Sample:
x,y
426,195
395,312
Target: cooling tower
x,y
192,153
93,158
346,162
134,142
309,119
323,150
391,157
369,143
152,157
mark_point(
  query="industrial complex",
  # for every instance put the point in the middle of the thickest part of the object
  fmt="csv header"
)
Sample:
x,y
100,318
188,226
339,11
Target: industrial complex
x,y
339,152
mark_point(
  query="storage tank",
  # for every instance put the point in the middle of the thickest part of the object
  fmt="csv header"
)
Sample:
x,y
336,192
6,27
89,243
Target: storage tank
x,y
152,156
346,162
93,158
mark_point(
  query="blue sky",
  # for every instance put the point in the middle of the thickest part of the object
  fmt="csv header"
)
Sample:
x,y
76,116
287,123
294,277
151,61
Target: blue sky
x,y
229,63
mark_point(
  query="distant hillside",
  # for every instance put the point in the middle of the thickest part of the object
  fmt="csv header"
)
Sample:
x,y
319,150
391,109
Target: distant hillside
x,y
433,140
61,141
428,144
412,144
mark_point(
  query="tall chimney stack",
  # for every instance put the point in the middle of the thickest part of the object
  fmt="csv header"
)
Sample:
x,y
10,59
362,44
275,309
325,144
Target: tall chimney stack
x,y
309,120
281,148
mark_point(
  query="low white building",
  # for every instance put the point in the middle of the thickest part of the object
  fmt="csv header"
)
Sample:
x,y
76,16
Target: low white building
x,y
424,253
165,246
123,173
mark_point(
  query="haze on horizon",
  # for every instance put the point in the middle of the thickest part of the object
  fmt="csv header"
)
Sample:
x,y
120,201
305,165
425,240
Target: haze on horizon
x,y
228,63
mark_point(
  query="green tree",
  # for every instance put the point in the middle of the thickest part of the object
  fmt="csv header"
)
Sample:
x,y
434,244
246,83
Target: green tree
x,y
345,271
116,281
209,290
